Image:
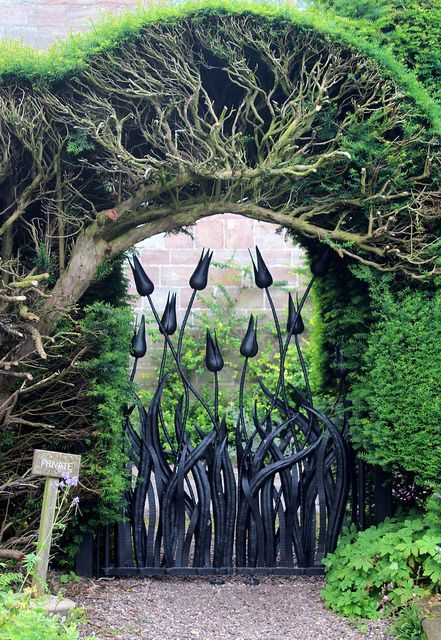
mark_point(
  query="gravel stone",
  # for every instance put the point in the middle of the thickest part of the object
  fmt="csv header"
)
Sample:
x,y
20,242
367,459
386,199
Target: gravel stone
x,y
173,608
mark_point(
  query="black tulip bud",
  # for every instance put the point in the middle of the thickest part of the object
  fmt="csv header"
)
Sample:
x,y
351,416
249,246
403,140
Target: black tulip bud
x,y
213,358
139,345
168,320
144,285
320,264
249,346
294,324
262,276
199,278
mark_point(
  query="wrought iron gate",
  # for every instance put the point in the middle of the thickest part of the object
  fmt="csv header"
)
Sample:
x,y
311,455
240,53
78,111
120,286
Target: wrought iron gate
x,y
278,508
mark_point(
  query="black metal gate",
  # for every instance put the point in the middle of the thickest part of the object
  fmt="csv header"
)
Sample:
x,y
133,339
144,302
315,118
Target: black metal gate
x,y
267,497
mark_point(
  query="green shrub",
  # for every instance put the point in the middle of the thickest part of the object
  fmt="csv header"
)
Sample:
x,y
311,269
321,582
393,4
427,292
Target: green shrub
x,y
434,508
408,624
374,572
22,618
412,29
108,331
395,399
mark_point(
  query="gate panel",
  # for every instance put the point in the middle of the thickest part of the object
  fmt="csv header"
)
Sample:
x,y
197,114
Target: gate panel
x,y
277,507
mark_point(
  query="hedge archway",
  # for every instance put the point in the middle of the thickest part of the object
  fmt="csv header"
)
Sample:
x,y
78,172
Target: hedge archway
x,y
156,120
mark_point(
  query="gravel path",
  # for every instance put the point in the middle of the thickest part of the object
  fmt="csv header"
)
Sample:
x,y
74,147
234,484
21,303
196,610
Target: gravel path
x,y
193,609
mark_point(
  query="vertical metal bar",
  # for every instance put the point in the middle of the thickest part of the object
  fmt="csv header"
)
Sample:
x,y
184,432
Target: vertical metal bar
x,y
106,546
84,558
382,495
361,495
98,552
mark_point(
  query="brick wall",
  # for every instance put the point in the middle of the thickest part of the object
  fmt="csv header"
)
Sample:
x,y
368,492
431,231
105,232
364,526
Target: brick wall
x,y
40,22
170,261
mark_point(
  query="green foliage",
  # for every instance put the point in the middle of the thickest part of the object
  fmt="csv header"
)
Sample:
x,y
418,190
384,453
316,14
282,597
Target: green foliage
x,y
341,316
108,331
67,578
412,29
408,624
374,572
44,263
434,508
77,143
22,618
395,396
8,578
110,284
67,58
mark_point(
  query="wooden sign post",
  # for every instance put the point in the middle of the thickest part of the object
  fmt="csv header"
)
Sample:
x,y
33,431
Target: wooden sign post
x,y
52,464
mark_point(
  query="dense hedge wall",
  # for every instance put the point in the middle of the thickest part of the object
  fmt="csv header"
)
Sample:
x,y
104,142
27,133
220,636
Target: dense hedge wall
x,y
389,330
411,29
66,58
395,396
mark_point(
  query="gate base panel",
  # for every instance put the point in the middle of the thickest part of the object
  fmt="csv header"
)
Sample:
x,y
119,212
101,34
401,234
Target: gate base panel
x,y
147,572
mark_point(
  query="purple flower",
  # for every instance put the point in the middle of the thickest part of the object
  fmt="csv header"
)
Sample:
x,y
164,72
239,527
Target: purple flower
x,y
385,598
75,501
65,476
73,481
61,483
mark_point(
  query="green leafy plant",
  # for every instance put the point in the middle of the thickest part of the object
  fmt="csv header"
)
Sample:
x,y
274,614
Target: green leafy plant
x,y
78,142
374,572
8,577
67,578
23,618
408,624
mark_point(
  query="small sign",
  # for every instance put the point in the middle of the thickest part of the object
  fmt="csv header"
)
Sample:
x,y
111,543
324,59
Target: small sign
x,y
55,463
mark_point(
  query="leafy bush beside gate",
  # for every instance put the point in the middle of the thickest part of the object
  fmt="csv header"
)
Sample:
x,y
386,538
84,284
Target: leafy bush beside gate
x,y
395,396
378,570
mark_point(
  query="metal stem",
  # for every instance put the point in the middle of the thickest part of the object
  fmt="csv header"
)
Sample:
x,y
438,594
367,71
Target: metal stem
x,y
185,380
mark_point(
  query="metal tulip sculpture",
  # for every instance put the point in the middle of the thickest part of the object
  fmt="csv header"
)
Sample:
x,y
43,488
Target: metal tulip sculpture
x,y
199,279
169,323
282,509
144,285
